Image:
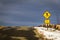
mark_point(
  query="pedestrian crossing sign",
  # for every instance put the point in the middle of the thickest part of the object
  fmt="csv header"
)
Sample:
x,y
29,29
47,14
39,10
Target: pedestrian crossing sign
x,y
46,14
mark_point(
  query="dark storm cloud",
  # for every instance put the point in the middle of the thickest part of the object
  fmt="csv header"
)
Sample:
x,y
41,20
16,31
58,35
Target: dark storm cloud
x,y
27,12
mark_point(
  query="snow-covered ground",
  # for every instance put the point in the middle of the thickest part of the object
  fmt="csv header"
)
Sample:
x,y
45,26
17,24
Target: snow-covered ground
x,y
50,33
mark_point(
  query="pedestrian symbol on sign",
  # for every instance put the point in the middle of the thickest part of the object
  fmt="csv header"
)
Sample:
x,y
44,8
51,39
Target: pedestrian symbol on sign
x,y
46,14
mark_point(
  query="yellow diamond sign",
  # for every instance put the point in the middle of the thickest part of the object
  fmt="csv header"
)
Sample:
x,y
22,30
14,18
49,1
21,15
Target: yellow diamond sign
x,y
46,14
47,21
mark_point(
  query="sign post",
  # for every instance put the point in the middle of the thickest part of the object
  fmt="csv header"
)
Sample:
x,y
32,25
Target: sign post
x,y
47,15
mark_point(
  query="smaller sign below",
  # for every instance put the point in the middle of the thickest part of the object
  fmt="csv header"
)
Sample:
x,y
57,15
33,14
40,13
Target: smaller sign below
x,y
47,21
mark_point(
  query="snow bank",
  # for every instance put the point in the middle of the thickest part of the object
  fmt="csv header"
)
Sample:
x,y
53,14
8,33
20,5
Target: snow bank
x,y
50,33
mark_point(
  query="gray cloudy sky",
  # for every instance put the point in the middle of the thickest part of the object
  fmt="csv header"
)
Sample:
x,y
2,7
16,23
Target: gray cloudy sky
x,y
28,12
